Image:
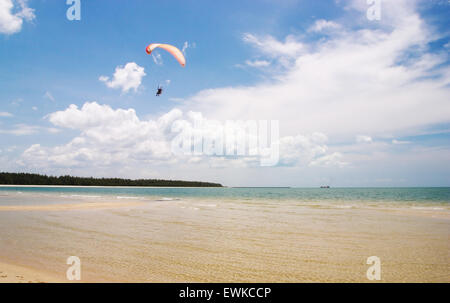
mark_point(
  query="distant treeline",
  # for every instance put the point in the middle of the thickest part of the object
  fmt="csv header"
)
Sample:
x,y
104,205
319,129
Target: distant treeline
x,y
35,179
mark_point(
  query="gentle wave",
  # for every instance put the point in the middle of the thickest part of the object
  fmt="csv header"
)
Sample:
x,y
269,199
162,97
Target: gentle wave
x,y
344,206
168,199
85,196
206,205
427,208
125,197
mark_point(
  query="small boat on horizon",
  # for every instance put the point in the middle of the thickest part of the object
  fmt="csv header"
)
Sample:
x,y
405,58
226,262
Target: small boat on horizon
x,y
325,186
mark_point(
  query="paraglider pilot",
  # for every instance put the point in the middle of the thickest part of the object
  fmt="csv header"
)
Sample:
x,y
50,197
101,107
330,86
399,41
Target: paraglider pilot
x,y
159,91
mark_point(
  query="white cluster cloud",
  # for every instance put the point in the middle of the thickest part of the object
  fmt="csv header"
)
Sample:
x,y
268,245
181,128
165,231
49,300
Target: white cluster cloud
x,y
398,142
106,137
363,139
125,77
334,159
309,149
321,25
271,47
10,22
257,63
5,114
25,129
117,136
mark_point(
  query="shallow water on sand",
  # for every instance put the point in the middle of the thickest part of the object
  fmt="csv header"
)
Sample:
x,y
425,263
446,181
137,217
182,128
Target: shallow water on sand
x,y
229,235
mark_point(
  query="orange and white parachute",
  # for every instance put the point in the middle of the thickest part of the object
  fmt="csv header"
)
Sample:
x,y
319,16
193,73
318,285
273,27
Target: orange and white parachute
x,y
171,49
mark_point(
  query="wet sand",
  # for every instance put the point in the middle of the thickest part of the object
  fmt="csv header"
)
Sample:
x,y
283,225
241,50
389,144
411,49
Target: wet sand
x,y
10,273
72,206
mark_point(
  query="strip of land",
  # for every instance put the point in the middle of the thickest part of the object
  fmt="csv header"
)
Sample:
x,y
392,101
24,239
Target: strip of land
x,y
36,179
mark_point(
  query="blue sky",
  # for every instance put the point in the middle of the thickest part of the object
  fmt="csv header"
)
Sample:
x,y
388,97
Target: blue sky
x,y
375,93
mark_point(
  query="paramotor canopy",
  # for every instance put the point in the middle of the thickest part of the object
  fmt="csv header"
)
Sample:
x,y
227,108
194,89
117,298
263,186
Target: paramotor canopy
x,y
170,48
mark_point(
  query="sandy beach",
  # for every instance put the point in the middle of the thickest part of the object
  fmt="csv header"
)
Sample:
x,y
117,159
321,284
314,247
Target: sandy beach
x,y
218,240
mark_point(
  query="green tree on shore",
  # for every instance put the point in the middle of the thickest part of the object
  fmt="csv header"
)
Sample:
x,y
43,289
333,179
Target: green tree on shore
x,y
36,179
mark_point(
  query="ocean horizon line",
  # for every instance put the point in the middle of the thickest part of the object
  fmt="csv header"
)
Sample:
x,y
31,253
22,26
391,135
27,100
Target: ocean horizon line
x,y
224,186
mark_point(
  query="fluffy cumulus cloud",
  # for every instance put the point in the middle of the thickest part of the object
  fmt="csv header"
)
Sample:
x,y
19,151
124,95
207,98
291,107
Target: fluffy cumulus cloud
x,y
270,46
126,78
310,149
110,136
12,15
107,137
